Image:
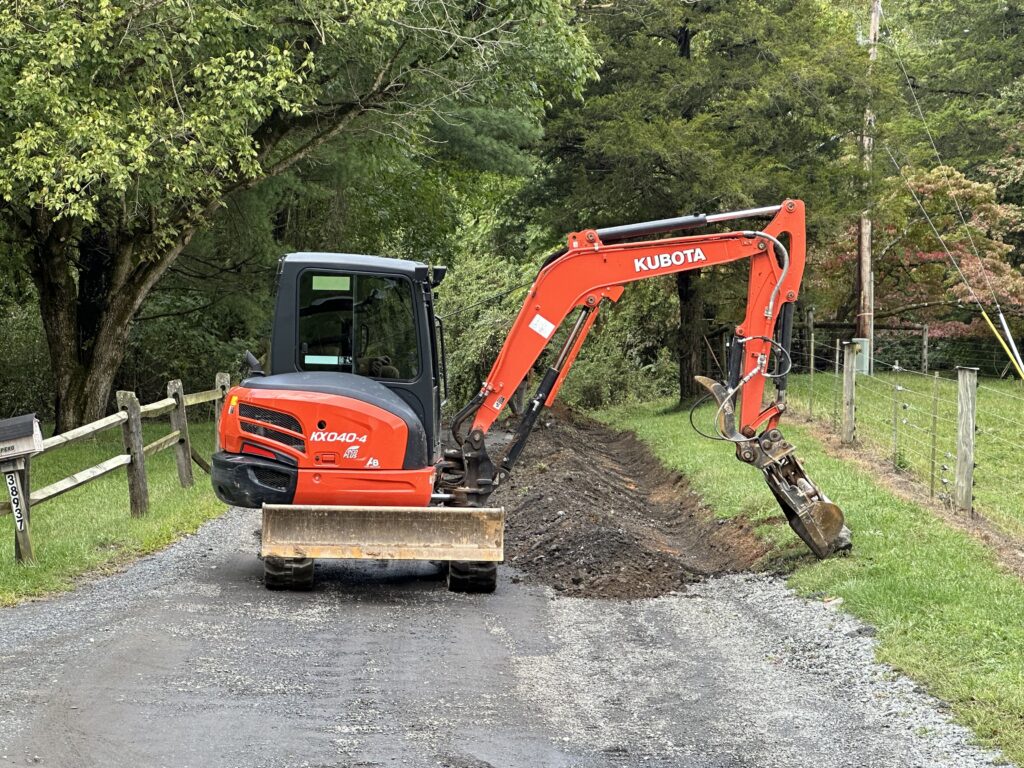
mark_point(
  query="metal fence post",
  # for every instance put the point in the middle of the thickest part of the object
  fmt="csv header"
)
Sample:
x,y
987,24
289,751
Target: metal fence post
x,y
872,354
131,430
835,391
896,415
849,431
179,421
924,349
966,420
810,361
810,337
222,382
935,429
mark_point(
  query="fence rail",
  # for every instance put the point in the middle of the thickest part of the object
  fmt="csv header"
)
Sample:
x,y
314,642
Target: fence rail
x,y
129,416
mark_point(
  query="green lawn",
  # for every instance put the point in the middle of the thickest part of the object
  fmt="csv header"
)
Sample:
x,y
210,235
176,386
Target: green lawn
x,y
946,613
999,494
90,528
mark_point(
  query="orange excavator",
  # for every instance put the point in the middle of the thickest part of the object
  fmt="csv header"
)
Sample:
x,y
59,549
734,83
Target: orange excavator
x,y
340,442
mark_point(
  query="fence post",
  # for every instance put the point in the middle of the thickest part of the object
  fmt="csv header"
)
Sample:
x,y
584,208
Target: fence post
x,y
222,382
179,421
835,391
871,324
849,431
935,428
810,336
924,349
131,431
896,415
810,360
966,419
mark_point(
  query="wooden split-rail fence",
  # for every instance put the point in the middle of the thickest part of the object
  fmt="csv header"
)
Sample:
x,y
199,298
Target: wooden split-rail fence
x,y
129,416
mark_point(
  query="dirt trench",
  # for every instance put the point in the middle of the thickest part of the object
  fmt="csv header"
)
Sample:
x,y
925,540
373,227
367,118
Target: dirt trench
x,y
591,512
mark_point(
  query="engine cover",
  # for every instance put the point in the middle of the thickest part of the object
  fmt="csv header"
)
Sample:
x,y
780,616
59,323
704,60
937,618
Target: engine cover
x,y
320,438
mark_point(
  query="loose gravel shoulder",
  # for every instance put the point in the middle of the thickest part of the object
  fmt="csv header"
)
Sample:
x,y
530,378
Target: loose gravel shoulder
x,y
185,660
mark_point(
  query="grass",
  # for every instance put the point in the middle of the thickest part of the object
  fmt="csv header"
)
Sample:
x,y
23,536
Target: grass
x,y
999,495
90,528
946,613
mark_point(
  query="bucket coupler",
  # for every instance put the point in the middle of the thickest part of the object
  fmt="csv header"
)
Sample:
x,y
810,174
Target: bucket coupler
x,y
810,513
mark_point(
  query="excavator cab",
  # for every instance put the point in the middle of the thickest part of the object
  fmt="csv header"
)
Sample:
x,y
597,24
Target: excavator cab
x,y
339,442
363,319
349,412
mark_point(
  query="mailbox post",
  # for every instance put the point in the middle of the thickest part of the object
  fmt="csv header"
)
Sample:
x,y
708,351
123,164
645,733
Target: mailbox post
x,y
19,439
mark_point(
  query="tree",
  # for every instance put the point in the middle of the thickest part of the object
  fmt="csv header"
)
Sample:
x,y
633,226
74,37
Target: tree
x,y
706,106
958,59
945,89
128,125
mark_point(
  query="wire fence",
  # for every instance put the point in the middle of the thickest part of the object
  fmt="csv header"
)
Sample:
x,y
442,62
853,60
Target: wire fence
x,y
908,419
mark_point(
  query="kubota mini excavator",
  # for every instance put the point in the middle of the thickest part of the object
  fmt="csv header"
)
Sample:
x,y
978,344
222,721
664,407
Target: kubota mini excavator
x,y
340,444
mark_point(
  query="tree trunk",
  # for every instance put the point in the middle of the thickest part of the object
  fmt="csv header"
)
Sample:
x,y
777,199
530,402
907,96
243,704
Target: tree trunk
x,y
55,281
89,292
690,335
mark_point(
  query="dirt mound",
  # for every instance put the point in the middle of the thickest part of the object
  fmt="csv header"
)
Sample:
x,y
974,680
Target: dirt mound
x,y
592,513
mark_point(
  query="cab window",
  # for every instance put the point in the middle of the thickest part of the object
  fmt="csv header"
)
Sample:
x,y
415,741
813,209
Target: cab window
x,y
362,324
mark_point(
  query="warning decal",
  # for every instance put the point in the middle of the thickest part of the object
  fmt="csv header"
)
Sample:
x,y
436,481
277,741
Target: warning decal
x,y
541,325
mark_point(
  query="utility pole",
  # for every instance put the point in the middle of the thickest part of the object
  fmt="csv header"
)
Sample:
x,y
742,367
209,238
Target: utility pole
x,y
866,305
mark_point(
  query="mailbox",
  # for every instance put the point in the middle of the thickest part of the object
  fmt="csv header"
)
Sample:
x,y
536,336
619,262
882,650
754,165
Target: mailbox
x,y
19,439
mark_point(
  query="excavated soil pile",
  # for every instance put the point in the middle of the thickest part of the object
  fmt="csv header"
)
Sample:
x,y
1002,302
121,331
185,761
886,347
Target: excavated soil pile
x,y
592,513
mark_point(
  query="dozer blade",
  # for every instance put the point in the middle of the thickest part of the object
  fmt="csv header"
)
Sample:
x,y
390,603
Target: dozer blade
x,y
383,533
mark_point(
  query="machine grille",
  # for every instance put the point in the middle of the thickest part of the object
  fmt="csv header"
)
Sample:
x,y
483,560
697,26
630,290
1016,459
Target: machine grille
x,y
272,434
271,478
276,418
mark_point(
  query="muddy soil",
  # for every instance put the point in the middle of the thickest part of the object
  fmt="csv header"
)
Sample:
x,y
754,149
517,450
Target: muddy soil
x,y
592,513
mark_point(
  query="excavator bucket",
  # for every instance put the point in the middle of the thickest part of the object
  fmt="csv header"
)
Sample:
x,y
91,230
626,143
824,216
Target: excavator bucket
x,y
383,533
811,514
819,524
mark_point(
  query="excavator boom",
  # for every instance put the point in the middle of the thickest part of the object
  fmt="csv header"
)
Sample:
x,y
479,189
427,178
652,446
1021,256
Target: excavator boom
x,y
595,268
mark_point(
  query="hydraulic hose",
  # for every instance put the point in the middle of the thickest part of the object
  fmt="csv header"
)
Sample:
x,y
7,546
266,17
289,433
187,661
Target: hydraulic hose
x,y
784,254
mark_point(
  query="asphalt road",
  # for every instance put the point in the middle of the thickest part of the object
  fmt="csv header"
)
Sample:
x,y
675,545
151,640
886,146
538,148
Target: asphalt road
x,y
184,660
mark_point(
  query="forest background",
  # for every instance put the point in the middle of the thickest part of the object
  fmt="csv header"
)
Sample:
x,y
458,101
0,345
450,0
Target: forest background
x,y
157,158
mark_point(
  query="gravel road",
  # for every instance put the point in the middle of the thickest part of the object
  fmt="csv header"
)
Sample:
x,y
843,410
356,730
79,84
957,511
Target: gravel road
x,y
184,660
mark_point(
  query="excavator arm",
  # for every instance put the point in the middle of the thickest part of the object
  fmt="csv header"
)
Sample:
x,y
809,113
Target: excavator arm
x,y
594,268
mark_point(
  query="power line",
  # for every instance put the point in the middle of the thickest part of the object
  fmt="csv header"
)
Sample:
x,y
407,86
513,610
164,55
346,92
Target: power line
x,y
928,218
1011,351
938,157
485,300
